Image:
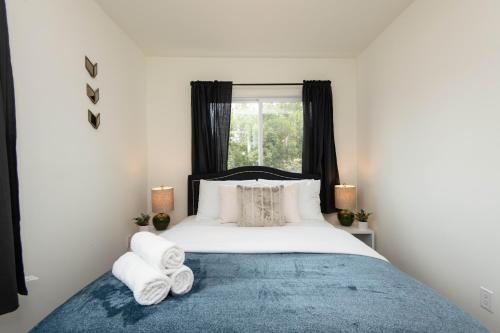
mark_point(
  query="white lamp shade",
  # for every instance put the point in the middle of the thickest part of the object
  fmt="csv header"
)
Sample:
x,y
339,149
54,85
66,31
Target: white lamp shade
x,y
162,199
345,197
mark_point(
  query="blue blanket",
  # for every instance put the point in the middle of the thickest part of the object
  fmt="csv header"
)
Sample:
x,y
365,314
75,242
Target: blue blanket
x,y
269,293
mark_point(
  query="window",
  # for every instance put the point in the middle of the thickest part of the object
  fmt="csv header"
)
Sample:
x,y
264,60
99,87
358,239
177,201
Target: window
x,y
266,131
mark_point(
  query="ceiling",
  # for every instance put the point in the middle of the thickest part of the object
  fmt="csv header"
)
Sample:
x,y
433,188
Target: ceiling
x,y
253,28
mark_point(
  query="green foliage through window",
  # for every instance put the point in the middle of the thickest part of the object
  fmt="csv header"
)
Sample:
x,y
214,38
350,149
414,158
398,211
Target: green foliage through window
x,y
266,132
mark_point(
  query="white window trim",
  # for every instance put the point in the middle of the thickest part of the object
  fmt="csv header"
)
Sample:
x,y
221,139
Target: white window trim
x,y
260,101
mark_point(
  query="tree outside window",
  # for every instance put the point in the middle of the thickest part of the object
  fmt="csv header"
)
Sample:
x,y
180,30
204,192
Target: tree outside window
x,y
266,132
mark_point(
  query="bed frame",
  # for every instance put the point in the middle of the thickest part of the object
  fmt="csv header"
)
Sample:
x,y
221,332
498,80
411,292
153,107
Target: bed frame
x,y
242,173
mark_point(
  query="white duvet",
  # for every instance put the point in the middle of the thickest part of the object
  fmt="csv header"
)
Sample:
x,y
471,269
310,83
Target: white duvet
x,y
211,236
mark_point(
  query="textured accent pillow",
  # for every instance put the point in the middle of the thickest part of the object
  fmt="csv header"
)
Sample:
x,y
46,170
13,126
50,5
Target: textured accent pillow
x,y
229,209
261,206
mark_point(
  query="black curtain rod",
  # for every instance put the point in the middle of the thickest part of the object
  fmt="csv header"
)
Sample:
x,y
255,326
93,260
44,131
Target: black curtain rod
x,y
267,84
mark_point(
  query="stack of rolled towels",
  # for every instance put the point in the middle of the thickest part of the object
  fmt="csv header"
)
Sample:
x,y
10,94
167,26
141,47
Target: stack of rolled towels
x,y
153,268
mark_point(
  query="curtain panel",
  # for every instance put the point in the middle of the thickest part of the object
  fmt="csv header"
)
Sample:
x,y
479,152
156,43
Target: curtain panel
x,y
318,150
11,264
210,120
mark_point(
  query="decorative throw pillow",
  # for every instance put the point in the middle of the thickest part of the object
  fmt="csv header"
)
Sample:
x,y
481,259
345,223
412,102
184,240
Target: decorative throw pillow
x,y
291,203
208,200
261,206
308,195
229,209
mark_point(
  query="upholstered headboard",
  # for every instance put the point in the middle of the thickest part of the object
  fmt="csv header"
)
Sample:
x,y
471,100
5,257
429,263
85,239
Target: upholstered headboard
x,y
243,173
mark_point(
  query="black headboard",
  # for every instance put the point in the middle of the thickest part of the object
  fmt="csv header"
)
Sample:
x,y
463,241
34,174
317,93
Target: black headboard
x,y
243,173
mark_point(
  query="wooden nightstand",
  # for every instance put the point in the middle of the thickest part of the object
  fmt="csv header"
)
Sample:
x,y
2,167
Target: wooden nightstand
x,y
367,236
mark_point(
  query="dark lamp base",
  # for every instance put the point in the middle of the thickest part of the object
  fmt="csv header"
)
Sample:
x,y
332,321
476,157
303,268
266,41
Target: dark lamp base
x,y
345,217
161,221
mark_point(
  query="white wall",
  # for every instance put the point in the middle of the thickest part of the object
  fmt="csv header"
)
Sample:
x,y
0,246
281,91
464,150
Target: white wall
x,y
428,143
169,109
79,187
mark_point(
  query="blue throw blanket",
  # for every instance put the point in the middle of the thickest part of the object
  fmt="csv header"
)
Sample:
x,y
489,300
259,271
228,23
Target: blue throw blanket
x,y
270,293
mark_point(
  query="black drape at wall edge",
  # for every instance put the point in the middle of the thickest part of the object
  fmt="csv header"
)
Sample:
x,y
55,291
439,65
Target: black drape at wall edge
x,y
11,264
318,149
210,119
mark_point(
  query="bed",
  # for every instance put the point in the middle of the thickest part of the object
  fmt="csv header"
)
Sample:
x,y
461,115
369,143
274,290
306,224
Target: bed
x,y
303,277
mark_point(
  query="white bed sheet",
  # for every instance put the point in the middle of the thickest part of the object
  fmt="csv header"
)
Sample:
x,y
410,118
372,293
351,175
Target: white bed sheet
x,y
211,236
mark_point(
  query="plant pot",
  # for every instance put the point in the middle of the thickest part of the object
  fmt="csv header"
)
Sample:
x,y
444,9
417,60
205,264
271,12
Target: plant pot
x,y
161,221
345,217
362,225
144,228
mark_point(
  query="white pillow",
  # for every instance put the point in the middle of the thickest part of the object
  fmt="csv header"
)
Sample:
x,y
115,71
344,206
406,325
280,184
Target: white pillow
x,y
229,207
309,202
308,196
208,198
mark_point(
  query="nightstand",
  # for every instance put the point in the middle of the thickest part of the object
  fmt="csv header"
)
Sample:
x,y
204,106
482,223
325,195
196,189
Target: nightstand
x,y
367,236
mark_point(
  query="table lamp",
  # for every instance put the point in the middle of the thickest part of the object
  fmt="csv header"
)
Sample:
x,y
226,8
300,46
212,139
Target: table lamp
x,y
345,200
162,200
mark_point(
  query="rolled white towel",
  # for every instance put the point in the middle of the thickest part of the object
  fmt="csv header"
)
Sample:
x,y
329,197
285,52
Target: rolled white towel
x,y
148,285
157,251
182,281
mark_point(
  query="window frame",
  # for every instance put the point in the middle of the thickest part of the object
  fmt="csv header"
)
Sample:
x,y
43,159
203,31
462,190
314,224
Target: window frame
x,y
260,101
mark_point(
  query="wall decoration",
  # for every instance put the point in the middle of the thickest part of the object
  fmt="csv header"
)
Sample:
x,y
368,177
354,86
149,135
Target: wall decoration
x,y
94,120
92,94
91,67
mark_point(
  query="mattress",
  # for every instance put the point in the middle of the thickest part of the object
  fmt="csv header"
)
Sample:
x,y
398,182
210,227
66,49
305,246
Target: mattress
x,y
308,236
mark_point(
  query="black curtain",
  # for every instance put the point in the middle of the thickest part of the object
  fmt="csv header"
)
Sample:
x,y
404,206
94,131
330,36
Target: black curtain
x,y
210,118
318,149
11,263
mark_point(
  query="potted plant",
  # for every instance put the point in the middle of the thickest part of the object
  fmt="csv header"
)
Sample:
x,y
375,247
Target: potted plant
x,y
142,221
362,218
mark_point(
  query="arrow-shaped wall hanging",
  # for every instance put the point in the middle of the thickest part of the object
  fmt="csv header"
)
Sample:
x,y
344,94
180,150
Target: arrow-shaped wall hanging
x,y
92,94
94,120
91,67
